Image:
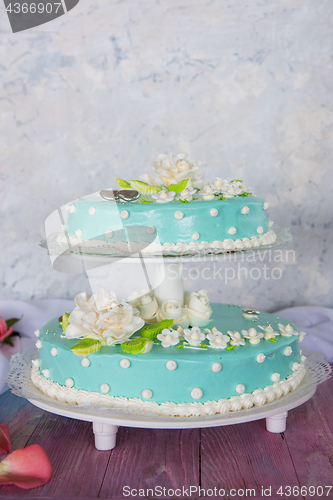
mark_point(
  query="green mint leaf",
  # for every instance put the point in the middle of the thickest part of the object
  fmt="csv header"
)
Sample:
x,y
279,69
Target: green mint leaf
x,y
145,201
144,188
86,346
123,184
176,188
64,321
151,331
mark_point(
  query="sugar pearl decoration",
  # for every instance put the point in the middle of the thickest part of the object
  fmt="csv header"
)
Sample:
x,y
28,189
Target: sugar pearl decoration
x,y
108,234
78,233
54,351
261,357
214,212
105,388
245,210
171,365
124,214
46,373
288,350
38,344
275,377
196,393
92,211
240,388
147,393
69,382
178,215
195,236
125,363
85,362
37,332
295,366
266,205
232,230
71,209
216,367
260,229
150,230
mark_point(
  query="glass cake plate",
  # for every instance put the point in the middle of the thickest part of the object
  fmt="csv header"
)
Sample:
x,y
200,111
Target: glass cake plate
x,y
106,421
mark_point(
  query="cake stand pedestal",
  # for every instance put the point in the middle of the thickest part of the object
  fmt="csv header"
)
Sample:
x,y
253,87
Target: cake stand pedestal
x,y
105,423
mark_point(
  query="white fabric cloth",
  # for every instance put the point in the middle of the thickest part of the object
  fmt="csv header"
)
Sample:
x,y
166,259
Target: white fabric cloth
x,y
317,322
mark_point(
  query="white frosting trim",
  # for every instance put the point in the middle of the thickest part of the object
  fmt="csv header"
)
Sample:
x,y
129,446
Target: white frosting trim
x,y
122,247
235,403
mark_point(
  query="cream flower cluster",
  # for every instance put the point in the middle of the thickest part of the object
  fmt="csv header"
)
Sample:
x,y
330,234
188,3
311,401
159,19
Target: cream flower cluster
x,y
196,312
103,318
172,169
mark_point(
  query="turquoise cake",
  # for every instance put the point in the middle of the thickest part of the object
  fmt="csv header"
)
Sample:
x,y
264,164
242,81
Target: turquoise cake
x,y
244,359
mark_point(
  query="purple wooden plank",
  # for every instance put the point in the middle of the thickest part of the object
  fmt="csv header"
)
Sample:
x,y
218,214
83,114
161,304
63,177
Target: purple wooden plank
x,y
150,458
244,457
309,437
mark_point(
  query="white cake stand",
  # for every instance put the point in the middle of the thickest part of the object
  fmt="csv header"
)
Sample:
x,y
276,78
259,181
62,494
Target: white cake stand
x,y
106,421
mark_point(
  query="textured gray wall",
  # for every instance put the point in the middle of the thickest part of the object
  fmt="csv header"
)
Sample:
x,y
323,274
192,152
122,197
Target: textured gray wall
x,y
244,86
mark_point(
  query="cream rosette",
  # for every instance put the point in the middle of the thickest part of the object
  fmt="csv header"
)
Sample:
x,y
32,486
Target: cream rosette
x,y
103,318
172,169
198,309
148,307
172,309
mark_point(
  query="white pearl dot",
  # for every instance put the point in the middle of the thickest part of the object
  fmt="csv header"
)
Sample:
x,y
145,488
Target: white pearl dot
x,y
245,210
37,332
125,363
260,229
216,367
171,365
85,362
124,214
147,393
261,357
196,393
46,373
108,234
195,236
38,344
178,215
78,233
71,209
266,205
69,382
150,230
240,388
232,230
288,350
105,388
214,212
54,351
92,211
295,367
275,377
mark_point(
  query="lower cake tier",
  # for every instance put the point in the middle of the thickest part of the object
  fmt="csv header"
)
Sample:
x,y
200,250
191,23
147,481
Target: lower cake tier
x,y
179,380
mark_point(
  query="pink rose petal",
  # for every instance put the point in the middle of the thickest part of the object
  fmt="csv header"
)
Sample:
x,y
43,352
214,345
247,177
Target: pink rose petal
x,y
4,440
27,468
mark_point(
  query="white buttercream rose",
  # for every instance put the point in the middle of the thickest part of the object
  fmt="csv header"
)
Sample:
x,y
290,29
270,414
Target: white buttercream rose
x,y
198,309
102,317
172,309
172,169
148,307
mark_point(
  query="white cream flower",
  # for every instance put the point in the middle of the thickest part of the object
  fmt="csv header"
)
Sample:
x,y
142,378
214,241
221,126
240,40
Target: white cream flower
x,y
168,337
234,188
186,194
198,309
287,331
173,169
301,336
269,333
236,338
148,307
217,339
164,196
194,336
208,193
102,317
172,309
253,336
219,183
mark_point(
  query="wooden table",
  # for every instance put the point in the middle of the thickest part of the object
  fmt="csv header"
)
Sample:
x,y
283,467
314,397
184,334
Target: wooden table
x,y
232,458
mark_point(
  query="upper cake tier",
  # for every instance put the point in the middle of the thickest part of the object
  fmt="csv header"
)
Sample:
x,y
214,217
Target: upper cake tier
x,y
170,215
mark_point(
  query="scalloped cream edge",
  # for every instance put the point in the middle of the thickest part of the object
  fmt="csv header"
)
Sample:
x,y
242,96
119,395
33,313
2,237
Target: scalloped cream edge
x,y
179,248
259,397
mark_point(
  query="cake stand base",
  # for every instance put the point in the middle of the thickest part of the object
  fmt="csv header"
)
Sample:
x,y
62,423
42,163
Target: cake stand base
x,y
105,422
